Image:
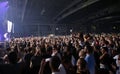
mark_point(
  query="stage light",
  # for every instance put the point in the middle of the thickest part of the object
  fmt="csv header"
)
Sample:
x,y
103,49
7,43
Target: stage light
x,y
51,35
5,35
57,28
4,5
71,30
114,27
9,26
0,37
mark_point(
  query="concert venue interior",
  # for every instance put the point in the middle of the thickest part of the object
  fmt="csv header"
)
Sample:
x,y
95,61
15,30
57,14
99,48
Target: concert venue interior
x,y
39,18
64,27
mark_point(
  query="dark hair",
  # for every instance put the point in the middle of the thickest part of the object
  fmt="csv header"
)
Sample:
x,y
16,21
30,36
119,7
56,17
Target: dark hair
x,y
27,58
89,48
87,43
55,62
12,56
105,48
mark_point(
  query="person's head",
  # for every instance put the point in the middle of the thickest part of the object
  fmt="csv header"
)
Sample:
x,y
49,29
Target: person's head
x,y
12,57
82,54
37,51
88,49
49,50
66,49
104,49
55,48
96,48
87,43
27,59
8,49
55,63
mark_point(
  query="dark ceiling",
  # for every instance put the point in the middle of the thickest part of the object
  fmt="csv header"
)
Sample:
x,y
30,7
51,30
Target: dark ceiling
x,y
37,10
63,11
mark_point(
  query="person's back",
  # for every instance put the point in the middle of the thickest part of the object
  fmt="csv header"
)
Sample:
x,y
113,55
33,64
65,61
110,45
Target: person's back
x,y
91,63
54,64
26,63
90,59
105,61
13,67
35,64
10,69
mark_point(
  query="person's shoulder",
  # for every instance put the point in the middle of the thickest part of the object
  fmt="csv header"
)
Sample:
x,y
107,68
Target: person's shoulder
x,y
115,57
87,56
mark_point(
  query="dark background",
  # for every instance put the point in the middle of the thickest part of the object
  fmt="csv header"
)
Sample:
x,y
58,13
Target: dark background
x,y
42,17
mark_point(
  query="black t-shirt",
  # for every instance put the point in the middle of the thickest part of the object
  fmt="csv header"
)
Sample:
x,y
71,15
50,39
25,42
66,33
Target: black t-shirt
x,y
106,60
11,68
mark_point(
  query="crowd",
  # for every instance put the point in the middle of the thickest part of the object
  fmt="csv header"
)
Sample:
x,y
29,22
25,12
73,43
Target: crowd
x,y
77,53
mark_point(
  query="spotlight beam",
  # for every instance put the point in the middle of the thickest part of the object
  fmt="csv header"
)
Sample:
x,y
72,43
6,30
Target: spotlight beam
x,y
24,10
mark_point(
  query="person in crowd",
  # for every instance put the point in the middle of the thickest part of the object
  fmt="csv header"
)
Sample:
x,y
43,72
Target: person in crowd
x,y
98,51
69,68
36,60
54,64
82,66
12,66
117,58
106,62
89,58
26,60
82,54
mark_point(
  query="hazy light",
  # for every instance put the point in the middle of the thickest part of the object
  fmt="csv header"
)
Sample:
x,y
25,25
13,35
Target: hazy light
x,y
114,27
9,26
51,35
5,35
71,30
0,37
3,9
57,28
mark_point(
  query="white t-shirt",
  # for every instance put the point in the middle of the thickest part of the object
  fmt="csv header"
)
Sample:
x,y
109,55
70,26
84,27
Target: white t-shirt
x,y
62,69
118,64
56,73
116,58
